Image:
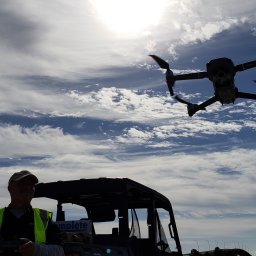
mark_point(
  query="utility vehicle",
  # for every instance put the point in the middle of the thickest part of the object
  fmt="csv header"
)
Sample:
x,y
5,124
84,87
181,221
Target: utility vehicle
x,y
120,217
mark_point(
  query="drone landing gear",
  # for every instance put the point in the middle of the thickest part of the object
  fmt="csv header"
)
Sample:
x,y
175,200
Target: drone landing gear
x,y
193,108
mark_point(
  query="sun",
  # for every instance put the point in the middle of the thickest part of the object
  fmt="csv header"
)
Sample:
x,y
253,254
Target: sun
x,y
129,17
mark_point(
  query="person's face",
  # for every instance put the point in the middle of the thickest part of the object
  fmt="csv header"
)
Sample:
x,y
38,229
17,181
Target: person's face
x,y
22,190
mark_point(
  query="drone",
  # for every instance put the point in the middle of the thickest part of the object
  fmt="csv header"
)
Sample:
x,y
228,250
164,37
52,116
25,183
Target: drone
x,y
221,72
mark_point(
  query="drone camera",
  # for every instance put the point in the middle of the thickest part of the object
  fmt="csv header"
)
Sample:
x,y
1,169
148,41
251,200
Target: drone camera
x,y
221,70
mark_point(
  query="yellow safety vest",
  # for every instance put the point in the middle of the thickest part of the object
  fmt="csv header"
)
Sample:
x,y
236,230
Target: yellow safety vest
x,y
41,220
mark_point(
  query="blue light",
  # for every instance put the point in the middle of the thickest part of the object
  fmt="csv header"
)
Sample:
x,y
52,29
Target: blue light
x,y
108,250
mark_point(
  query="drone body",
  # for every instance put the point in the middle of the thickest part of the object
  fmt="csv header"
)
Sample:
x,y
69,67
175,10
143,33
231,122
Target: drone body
x,y
221,72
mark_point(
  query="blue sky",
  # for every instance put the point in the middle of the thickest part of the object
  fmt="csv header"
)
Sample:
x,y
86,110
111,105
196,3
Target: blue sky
x,y
80,98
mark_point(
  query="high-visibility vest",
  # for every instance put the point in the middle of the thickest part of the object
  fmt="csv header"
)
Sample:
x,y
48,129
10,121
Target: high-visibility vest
x,y
41,220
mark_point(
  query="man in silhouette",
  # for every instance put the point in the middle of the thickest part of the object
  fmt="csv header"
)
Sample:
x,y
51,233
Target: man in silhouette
x,y
31,227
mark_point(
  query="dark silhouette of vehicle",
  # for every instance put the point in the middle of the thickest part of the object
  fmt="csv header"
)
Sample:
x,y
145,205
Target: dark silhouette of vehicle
x,y
122,206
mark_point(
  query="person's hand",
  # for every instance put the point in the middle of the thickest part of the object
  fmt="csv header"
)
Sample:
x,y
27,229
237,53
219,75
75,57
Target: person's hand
x,y
27,248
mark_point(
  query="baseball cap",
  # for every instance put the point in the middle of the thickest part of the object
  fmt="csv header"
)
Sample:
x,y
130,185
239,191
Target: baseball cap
x,y
21,175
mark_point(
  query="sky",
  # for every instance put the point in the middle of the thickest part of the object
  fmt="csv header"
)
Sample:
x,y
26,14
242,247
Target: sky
x,y
81,98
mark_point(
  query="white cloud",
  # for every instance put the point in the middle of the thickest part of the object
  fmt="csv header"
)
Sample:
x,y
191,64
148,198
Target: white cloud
x,y
68,39
178,129
201,31
194,21
45,141
253,31
130,105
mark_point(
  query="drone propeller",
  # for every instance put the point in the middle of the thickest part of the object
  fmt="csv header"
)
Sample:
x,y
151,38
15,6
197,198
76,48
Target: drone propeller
x,y
170,80
163,64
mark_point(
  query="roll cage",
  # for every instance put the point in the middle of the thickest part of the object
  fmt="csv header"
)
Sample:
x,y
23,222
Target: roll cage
x,y
103,198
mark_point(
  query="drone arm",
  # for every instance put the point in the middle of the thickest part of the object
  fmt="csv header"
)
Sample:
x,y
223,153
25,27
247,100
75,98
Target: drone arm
x,y
198,75
181,100
208,102
193,108
245,66
245,95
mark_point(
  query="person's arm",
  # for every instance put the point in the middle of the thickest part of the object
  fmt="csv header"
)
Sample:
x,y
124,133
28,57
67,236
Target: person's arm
x,y
34,249
48,249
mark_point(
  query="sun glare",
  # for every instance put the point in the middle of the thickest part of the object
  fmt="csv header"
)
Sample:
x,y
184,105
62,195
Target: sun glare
x,y
129,17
